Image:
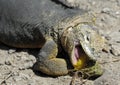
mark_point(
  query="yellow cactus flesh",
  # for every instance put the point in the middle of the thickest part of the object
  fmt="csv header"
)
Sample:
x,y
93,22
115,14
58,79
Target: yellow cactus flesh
x,y
81,62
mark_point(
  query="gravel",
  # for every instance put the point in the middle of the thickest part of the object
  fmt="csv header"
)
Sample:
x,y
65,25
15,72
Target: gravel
x,y
16,64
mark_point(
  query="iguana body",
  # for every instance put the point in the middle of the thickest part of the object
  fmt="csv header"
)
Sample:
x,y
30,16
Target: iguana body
x,y
39,24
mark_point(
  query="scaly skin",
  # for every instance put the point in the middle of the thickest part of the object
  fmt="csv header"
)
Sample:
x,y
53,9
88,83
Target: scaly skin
x,y
46,24
94,70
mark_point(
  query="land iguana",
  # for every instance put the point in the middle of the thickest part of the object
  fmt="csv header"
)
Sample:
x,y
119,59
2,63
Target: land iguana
x,y
48,25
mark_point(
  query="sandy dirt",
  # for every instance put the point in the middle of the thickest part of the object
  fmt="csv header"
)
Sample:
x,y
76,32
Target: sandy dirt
x,y
16,64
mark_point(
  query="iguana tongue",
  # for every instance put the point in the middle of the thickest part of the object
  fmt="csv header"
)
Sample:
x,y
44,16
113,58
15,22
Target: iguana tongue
x,y
77,52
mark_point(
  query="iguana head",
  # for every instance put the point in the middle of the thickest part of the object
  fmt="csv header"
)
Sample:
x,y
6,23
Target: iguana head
x,y
82,43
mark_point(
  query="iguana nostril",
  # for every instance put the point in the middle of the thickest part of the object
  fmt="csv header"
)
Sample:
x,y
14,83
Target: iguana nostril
x,y
88,39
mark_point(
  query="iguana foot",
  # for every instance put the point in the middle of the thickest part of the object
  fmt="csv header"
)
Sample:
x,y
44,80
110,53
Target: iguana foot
x,y
53,67
47,61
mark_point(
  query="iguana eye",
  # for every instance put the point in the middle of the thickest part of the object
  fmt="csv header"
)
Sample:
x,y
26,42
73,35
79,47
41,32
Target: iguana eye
x,y
87,38
88,35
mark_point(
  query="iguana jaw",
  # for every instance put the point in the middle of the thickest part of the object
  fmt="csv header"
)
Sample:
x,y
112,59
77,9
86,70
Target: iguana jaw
x,y
72,45
78,56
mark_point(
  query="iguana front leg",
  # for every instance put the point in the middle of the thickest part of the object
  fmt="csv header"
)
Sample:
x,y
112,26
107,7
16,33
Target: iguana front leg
x,y
47,61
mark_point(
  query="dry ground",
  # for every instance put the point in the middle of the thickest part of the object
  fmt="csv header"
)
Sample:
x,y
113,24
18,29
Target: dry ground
x,y
16,64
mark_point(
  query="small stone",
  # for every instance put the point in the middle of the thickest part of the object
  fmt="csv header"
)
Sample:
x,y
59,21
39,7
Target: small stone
x,y
117,41
8,62
106,10
108,37
117,13
92,2
10,51
24,76
115,50
118,2
26,65
31,82
17,78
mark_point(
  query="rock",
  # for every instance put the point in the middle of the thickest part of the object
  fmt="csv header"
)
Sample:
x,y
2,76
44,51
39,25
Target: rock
x,y
31,82
118,2
26,65
106,10
106,79
9,60
10,51
115,50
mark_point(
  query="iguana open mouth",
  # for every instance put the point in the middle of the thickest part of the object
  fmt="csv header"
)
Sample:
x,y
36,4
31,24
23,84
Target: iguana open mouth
x,y
79,57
